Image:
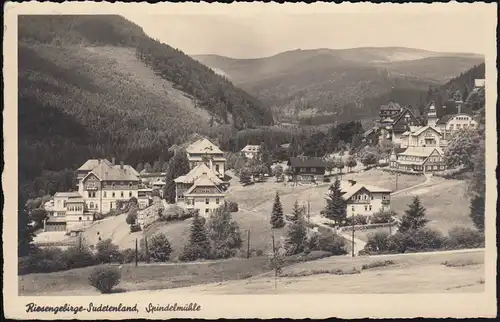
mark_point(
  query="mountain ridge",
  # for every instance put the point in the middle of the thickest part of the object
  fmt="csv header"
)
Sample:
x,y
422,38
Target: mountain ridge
x,y
315,82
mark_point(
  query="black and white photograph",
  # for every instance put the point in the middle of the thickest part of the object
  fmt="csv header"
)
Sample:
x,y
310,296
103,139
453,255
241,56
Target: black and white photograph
x,y
180,154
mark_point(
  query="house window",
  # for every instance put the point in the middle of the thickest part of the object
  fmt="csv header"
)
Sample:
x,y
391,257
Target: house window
x,y
113,194
302,169
91,206
104,194
370,208
207,201
372,197
217,167
366,208
313,169
207,210
352,208
121,194
80,218
130,193
217,201
130,185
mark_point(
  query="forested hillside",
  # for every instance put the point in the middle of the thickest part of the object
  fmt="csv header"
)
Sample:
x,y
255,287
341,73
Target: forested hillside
x,y
97,86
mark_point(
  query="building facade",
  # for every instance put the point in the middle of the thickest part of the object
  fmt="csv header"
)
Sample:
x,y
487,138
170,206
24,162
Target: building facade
x,y
364,199
307,169
426,136
420,159
101,185
204,151
451,124
250,151
204,195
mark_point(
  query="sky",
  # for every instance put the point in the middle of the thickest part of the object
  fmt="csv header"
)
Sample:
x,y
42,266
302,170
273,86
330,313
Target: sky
x,y
243,33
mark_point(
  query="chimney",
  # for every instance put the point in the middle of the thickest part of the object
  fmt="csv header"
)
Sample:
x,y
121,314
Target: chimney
x,y
113,160
121,165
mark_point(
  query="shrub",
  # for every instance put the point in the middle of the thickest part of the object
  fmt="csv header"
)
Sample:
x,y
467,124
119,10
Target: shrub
x,y
135,228
104,278
331,243
378,264
160,248
128,255
76,257
382,217
415,240
464,238
326,179
360,220
233,206
42,261
107,252
377,243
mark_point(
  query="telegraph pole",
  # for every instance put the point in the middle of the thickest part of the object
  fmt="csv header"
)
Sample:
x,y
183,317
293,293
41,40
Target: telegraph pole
x,y
248,245
397,174
136,253
352,251
309,210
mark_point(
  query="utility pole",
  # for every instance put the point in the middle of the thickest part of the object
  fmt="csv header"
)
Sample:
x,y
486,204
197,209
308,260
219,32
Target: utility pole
x,y
136,253
309,210
397,174
274,249
352,235
248,245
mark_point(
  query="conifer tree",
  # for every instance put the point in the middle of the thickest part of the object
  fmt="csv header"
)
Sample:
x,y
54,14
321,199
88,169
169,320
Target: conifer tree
x,y
245,176
199,244
223,233
139,167
25,233
178,166
336,207
477,211
297,233
414,217
277,219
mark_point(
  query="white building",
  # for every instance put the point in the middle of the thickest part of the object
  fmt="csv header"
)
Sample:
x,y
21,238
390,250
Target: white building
x,y
425,136
450,124
204,151
364,199
250,151
101,185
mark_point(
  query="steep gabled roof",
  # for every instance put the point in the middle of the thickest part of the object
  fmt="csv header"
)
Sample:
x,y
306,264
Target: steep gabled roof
x,y
400,115
203,181
349,190
203,146
108,172
421,151
72,194
251,148
424,128
306,162
198,171
92,163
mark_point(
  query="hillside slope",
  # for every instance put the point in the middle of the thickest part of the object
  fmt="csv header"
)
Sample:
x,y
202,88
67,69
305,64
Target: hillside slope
x,y
306,83
97,86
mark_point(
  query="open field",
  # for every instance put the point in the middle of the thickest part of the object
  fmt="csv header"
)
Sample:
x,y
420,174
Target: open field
x,y
445,200
411,273
461,271
144,277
